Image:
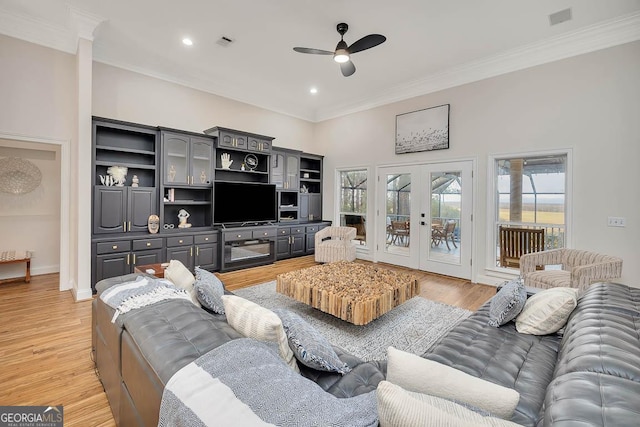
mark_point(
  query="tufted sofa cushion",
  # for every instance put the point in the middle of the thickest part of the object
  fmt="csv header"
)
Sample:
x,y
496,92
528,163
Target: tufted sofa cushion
x,y
173,333
502,356
363,377
592,399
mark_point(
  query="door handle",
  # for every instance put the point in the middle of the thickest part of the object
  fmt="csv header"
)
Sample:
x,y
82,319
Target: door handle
x,y
129,225
128,260
197,250
134,259
191,251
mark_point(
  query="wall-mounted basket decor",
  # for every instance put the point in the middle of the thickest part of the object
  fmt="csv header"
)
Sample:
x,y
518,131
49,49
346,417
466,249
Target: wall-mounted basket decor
x,y
18,176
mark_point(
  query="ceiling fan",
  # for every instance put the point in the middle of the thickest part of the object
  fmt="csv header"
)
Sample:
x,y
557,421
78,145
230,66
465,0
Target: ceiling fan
x,y
342,54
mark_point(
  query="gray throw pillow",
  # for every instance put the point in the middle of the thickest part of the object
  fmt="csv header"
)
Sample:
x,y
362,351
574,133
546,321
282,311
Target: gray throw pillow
x,y
209,290
308,345
507,303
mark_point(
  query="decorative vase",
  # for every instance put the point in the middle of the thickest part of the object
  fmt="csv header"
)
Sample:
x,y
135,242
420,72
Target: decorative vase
x,y
172,173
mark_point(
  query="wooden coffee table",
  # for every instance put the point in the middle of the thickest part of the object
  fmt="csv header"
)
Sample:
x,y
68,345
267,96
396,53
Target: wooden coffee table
x,y
354,292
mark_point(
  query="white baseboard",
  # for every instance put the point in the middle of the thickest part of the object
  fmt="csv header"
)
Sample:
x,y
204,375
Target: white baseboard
x,y
17,270
81,294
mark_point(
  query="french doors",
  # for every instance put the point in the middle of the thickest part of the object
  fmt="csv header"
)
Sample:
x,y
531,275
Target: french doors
x,y
424,217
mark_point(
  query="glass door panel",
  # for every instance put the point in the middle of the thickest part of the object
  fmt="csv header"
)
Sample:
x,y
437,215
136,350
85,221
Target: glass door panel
x,y
201,153
447,203
175,160
398,228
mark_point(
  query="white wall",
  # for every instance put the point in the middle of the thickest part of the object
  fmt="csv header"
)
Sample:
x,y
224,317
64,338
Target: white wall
x,y
589,103
125,95
36,103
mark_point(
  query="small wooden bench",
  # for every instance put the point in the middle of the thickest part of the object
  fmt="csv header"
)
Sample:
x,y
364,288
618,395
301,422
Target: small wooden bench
x,y
13,257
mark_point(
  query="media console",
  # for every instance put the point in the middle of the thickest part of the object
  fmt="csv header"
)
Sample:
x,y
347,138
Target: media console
x,y
251,246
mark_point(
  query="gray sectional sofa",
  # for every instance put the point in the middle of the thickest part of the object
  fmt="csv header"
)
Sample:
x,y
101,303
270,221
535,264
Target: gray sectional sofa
x,y
589,375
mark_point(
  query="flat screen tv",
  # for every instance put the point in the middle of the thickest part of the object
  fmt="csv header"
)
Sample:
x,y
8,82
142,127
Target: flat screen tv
x,y
241,202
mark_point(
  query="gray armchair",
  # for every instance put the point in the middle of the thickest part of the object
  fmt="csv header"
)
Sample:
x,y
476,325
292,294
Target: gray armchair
x,y
579,268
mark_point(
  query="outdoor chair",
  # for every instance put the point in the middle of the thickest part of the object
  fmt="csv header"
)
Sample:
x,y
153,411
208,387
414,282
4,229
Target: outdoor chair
x,y
446,233
335,244
517,241
400,233
579,268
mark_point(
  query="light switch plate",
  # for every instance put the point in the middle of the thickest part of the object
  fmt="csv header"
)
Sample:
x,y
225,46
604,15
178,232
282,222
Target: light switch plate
x,y
616,221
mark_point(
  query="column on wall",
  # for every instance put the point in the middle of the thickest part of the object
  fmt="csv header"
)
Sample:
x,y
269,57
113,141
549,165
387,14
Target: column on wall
x,y
80,246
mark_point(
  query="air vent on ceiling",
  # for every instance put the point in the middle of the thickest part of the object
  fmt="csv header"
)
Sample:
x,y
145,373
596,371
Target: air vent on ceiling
x,y
224,41
559,17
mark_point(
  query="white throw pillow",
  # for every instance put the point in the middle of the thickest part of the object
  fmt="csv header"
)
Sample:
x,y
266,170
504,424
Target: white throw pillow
x,y
401,408
257,322
414,373
547,311
180,276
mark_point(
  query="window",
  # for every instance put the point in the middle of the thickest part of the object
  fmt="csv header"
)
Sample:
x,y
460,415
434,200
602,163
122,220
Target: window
x,y
531,193
353,202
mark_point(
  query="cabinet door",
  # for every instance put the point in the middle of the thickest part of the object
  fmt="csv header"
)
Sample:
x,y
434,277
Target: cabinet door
x,y
283,245
207,256
147,257
277,169
182,254
109,210
293,172
315,207
175,155
259,145
112,265
310,244
304,206
297,244
201,161
140,204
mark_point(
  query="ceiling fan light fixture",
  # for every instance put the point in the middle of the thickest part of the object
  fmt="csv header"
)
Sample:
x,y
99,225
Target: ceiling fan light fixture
x,y
341,56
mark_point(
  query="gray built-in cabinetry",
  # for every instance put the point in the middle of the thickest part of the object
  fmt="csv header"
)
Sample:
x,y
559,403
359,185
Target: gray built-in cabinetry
x,y
175,170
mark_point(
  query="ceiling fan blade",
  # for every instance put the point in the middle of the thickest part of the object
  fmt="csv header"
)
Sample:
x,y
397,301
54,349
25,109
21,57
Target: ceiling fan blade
x,y
367,42
312,51
347,68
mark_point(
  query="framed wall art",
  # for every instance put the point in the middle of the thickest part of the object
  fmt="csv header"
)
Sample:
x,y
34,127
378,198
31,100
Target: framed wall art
x,y
423,130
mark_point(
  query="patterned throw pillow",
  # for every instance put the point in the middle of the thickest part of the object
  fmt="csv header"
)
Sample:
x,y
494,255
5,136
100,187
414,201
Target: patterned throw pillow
x,y
257,322
398,407
209,290
309,346
507,303
416,374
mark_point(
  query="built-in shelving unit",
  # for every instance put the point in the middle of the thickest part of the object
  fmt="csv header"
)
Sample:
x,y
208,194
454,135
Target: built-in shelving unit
x,y
175,170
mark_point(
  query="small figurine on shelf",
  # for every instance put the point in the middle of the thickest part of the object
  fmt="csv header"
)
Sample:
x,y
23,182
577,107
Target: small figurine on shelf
x,y
183,215
225,160
242,167
203,177
153,224
135,181
172,173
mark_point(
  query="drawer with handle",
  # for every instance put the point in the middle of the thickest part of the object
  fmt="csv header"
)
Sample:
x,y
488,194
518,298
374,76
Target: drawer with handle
x,y
142,244
231,236
263,234
179,241
205,238
113,247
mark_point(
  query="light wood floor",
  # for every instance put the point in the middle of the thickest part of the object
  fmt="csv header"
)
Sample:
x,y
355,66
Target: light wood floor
x,y
45,337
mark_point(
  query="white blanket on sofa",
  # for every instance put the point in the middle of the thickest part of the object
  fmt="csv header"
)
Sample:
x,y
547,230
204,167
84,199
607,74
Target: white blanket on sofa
x,y
245,382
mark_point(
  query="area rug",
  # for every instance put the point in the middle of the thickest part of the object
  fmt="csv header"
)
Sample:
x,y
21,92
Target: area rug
x,y
413,326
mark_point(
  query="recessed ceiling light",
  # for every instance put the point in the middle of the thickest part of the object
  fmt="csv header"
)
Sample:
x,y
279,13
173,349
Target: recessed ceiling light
x,y
187,41
313,90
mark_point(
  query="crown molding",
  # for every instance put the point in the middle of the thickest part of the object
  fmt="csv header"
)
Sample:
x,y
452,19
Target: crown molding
x,y
38,31
599,36
85,23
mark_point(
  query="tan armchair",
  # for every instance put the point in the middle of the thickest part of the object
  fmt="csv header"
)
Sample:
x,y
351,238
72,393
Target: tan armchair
x,y
335,244
579,268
